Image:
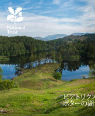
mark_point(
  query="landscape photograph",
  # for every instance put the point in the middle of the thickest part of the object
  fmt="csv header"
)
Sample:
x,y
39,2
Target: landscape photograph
x,y
47,57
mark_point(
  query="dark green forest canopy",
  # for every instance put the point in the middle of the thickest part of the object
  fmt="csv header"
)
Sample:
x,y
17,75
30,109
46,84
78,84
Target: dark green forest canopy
x,y
20,45
74,47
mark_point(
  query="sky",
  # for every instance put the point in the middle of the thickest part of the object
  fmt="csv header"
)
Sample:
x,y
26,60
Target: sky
x,y
48,17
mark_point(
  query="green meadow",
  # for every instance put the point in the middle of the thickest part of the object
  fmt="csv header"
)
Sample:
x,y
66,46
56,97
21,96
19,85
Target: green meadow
x,y
39,94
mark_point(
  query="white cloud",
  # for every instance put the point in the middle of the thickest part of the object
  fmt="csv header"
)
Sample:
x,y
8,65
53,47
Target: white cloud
x,y
56,2
38,25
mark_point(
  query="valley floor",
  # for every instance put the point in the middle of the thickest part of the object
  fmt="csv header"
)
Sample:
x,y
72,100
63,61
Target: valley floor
x,y
40,94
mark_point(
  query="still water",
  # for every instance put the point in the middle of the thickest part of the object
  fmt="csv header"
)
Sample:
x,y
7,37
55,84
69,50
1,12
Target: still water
x,y
72,72
83,71
8,71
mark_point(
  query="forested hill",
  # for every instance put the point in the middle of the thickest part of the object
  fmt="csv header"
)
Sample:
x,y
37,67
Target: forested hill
x,y
73,46
20,45
86,37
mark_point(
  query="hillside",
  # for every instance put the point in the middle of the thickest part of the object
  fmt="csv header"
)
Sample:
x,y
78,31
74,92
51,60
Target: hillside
x,y
39,94
20,45
73,46
76,37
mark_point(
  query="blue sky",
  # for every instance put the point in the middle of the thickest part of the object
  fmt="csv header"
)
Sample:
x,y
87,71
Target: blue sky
x,y
46,17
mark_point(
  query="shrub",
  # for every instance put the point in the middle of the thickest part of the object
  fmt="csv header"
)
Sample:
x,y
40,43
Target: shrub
x,y
83,76
7,84
57,75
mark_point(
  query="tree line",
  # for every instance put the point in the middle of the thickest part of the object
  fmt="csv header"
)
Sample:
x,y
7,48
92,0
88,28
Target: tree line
x,y
70,47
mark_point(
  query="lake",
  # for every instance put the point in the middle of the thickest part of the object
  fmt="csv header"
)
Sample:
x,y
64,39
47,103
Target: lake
x,y
83,71
69,71
8,71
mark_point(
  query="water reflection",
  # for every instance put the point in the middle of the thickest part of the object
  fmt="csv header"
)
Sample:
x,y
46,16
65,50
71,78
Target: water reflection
x,y
83,68
37,63
10,71
78,69
82,72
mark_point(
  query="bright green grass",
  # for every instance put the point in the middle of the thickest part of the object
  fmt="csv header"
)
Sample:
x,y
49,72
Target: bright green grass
x,y
39,77
39,94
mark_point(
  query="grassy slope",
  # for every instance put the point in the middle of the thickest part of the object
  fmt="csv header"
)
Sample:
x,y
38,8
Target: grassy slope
x,y
39,93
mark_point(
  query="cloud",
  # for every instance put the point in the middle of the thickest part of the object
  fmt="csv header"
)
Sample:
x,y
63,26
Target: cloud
x,y
88,17
37,25
41,24
56,2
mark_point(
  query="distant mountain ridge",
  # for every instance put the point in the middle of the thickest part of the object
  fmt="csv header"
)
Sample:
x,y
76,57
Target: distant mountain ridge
x,y
39,38
80,34
58,36
51,37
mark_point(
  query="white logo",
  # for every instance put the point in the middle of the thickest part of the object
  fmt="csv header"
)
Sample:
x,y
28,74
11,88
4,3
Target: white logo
x,y
15,15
